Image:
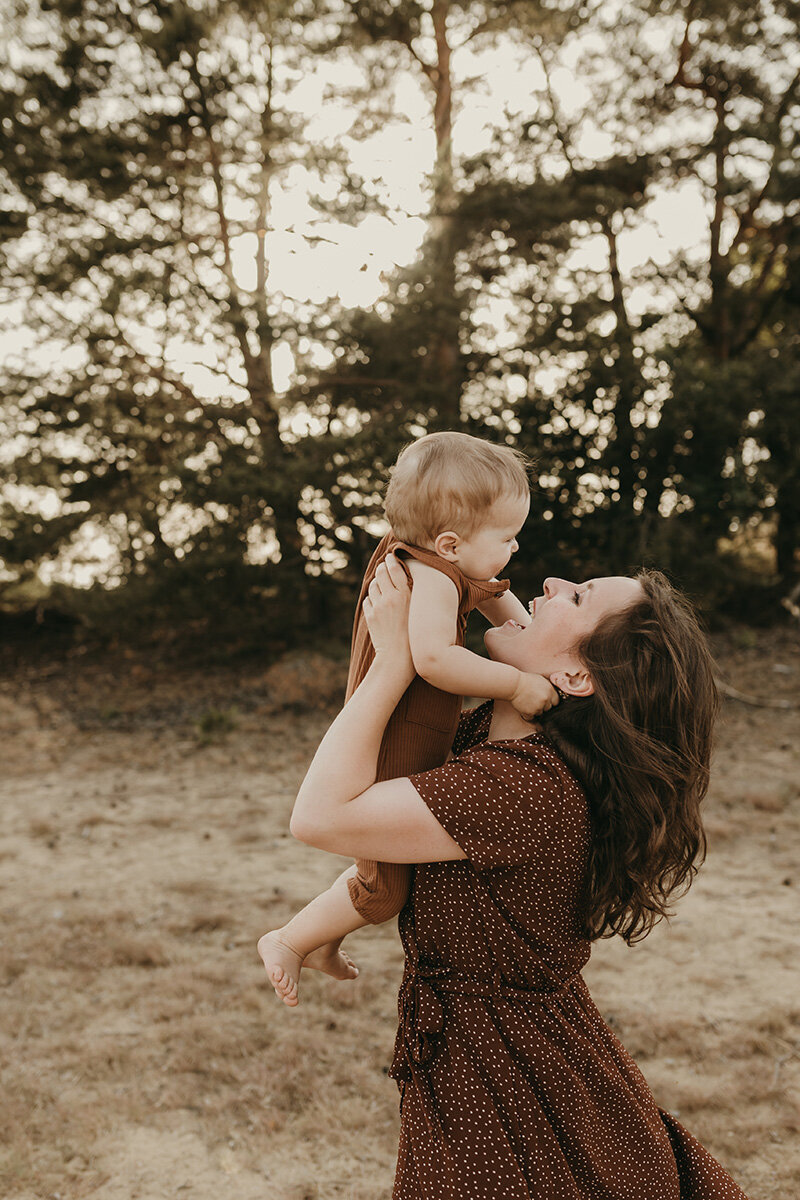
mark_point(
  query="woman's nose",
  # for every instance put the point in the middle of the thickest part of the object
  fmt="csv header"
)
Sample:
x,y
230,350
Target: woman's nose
x,y
552,586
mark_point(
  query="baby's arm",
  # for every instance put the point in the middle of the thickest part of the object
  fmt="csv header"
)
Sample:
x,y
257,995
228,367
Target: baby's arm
x,y
505,608
432,624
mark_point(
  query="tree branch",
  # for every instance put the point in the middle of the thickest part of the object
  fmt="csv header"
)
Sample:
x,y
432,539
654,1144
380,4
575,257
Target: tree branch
x,y
682,301
348,381
401,35
561,133
681,79
239,383
747,218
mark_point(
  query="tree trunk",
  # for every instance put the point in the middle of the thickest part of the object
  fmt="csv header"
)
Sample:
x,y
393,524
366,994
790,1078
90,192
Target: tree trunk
x,y
257,365
629,383
446,345
719,265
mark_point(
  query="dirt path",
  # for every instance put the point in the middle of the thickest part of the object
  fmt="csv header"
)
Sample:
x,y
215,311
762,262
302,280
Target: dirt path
x,y
144,848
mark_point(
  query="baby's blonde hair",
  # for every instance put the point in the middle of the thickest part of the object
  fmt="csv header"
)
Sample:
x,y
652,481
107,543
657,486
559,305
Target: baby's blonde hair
x,y
450,481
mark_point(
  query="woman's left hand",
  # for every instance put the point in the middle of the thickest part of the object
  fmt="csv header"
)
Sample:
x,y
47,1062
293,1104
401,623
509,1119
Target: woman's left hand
x,y
386,613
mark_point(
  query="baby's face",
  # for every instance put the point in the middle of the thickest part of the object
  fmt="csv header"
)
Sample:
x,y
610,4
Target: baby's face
x,y
486,552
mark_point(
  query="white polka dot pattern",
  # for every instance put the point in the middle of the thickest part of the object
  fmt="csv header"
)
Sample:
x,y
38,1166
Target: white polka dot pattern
x,y
512,1086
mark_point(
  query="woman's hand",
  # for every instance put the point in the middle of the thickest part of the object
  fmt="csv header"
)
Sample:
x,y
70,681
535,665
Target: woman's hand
x,y
386,614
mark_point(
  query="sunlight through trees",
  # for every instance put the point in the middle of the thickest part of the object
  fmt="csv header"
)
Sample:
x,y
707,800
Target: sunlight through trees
x,y
598,264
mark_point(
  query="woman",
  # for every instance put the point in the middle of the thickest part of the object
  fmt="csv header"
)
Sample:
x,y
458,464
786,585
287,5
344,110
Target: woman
x,y
530,844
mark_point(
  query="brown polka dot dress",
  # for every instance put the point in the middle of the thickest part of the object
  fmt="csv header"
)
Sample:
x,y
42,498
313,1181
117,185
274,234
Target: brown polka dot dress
x,y
512,1086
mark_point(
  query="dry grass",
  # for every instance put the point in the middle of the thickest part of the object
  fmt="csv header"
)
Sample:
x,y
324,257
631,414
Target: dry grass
x,y
143,1056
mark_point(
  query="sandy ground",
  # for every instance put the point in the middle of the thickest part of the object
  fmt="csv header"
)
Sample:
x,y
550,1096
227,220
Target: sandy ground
x,y
144,849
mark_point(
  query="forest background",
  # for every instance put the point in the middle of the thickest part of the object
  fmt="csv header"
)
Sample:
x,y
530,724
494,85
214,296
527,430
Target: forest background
x,y
248,250
197,422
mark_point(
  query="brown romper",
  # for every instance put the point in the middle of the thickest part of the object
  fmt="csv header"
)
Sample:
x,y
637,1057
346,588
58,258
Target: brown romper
x,y
420,731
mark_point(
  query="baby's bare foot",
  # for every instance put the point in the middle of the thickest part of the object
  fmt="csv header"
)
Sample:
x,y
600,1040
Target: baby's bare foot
x,y
332,961
282,965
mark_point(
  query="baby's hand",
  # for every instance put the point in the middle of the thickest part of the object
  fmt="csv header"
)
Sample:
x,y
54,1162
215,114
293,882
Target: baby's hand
x,y
534,694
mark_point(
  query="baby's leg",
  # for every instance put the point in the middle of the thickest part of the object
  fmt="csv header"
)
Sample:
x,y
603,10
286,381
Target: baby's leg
x,y
311,939
378,890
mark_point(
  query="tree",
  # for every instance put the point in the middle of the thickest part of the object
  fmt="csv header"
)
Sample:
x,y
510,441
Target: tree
x,y
649,412
426,37
410,364
143,148
750,166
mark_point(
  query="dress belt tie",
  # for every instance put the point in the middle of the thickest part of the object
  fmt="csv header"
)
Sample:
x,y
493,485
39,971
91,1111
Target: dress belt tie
x,y
421,1020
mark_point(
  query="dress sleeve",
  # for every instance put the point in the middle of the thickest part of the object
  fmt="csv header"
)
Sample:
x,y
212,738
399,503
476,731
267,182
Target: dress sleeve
x,y
503,803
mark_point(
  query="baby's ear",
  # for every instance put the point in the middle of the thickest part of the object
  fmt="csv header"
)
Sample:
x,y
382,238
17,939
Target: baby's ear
x,y
573,683
446,545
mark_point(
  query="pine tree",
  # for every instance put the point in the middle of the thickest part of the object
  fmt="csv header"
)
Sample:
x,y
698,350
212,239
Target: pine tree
x,y
142,141
648,415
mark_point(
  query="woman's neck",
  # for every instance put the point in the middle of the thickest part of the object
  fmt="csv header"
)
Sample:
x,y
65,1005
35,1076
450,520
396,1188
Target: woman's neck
x,y
506,723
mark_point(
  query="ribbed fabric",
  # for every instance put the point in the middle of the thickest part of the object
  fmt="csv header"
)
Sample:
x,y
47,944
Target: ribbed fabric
x,y
420,731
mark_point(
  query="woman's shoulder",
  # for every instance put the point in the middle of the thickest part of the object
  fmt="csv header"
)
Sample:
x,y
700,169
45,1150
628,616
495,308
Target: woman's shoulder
x,y
508,802
535,750
525,766
472,739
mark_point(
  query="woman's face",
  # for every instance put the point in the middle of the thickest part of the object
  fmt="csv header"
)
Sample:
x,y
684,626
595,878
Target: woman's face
x,y
560,618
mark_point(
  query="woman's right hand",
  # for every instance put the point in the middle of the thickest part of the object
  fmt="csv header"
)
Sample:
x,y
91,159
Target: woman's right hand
x,y
386,614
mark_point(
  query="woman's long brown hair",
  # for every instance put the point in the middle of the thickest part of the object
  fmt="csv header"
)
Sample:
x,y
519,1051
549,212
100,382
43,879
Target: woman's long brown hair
x,y
641,747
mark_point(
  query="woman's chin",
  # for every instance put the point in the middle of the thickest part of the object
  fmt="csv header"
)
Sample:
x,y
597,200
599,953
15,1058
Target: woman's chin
x,y
508,629
497,639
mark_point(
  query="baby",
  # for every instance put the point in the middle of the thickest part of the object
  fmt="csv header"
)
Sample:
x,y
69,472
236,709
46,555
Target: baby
x,y
455,505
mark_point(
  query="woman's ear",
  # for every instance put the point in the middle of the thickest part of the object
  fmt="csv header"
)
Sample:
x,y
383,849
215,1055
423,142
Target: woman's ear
x,y
573,683
446,545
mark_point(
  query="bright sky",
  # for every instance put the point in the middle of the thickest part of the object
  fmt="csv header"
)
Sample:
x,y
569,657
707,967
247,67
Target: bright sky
x,y
352,263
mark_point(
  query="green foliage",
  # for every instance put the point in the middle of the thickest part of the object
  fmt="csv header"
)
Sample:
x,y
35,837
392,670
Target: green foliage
x,y
659,400
215,724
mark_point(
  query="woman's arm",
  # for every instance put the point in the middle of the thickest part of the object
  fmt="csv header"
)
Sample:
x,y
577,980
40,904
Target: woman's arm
x,y
452,668
339,807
